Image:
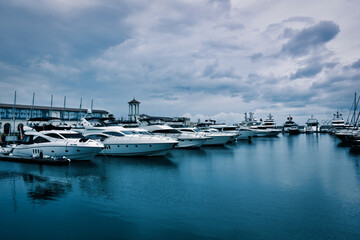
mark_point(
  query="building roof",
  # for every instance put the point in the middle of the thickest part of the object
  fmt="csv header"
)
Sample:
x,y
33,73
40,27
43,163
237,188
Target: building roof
x,y
19,106
134,101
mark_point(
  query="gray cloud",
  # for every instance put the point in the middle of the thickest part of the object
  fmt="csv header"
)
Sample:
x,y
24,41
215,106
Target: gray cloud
x,y
256,56
302,42
356,64
309,71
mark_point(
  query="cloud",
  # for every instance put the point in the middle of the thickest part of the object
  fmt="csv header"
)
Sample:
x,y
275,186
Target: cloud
x,y
310,38
356,64
211,58
308,71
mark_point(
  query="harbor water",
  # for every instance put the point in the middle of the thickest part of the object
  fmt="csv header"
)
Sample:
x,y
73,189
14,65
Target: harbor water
x,y
287,187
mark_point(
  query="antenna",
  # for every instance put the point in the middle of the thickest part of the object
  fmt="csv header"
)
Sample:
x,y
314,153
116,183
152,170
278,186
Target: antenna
x,y
32,106
51,104
79,114
63,112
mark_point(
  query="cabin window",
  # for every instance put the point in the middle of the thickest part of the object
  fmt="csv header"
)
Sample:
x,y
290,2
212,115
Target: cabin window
x,y
97,137
40,140
72,135
27,140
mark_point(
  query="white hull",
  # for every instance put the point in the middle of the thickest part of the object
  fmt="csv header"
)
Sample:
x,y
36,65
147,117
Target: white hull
x,y
217,140
139,149
245,135
191,143
75,153
266,132
311,129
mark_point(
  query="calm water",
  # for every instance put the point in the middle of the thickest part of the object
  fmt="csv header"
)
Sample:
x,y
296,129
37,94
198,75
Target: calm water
x,y
289,187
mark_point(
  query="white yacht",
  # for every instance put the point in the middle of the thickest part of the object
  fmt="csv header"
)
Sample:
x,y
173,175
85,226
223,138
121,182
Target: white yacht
x,y
262,131
57,143
312,125
337,122
185,139
288,124
239,133
270,122
127,143
258,128
347,135
121,141
214,137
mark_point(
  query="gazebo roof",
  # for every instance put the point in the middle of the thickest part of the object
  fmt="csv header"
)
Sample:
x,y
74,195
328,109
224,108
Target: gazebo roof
x,y
134,102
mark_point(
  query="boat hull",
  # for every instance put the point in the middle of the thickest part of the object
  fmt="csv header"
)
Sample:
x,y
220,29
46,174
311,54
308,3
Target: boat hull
x,y
148,149
217,140
74,153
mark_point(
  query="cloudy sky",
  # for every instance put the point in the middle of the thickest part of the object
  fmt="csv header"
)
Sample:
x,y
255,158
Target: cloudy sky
x,y
195,58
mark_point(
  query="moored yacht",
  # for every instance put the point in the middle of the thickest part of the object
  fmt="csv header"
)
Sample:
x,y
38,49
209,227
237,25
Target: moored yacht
x,y
289,124
57,143
129,143
312,125
185,139
120,141
269,122
214,136
337,122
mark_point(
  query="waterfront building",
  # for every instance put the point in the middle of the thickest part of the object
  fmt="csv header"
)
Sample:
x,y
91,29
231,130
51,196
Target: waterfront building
x,y
24,112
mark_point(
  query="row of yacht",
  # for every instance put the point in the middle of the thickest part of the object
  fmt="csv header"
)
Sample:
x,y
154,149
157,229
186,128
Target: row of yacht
x,y
93,136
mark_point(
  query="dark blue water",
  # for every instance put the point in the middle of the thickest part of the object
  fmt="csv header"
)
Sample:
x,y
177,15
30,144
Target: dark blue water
x,y
289,187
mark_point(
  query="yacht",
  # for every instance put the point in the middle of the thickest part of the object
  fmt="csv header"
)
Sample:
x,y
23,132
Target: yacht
x,y
262,131
312,125
288,124
130,143
121,141
214,136
347,135
56,143
269,122
294,130
337,122
250,121
185,139
258,128
239,133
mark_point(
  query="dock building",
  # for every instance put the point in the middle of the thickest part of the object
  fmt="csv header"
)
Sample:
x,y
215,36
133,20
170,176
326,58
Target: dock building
x,y
24,112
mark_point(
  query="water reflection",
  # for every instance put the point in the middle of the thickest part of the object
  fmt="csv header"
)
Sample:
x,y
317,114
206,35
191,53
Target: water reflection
x,y
39,189
135,161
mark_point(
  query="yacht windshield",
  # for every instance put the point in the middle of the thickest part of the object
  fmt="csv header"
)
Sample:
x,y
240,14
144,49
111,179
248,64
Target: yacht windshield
x,y
143,132
128,132
72,135
116,134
